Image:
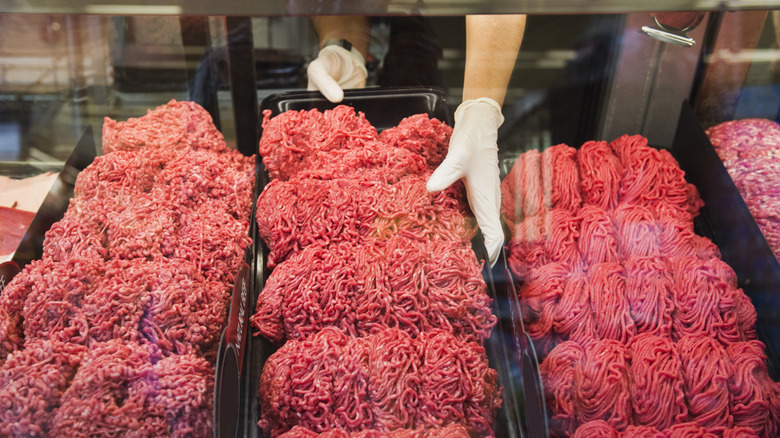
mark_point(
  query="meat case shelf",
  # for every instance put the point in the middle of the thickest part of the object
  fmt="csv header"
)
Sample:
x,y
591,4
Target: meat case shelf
x,y
385,108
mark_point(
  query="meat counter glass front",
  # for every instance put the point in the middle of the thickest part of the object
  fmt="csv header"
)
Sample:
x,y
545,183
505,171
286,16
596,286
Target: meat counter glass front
x,y
389,219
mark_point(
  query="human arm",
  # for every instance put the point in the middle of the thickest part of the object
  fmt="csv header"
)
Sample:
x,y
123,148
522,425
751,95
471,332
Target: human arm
x,y
492,43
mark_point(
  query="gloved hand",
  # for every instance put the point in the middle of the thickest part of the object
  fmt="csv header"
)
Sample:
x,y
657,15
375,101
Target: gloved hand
x,y
473,155
334,69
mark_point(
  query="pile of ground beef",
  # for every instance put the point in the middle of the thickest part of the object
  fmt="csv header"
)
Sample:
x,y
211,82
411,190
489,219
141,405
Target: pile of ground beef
x,y
375,287
115,330
382,382
750,149
640,325
414,285
451,431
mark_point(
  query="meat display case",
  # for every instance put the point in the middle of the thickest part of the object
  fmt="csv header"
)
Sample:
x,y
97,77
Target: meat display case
x,y
587,70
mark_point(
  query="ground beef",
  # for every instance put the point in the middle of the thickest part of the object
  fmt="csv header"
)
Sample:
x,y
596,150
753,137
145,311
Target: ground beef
x,y
362,288
186,312
107,396
181,391
384,381
138,273
656,369
53,308
451,431
302,142
421,135
175,125
203,176
212,239
76,235
373,162
34,379
299,212
292,140
749,149
633,327
375,283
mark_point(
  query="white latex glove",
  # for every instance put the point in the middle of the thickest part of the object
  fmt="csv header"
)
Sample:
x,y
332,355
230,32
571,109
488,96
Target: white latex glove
x,y
334,69
473,155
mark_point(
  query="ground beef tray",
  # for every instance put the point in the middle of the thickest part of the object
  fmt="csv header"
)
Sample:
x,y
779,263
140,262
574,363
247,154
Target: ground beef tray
x,y
115,330
372,315
641,327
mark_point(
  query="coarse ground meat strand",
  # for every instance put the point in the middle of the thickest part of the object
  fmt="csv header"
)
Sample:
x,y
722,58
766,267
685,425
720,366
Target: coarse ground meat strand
x,y
124,171
596,429
76,235
212,239
751,388
657,396
54,305
202,176
540,295
642,432
523,189
612,314
422,285
115,307
456,384
649,293
705,370
309,291
600,175
12,301
374,161
559,382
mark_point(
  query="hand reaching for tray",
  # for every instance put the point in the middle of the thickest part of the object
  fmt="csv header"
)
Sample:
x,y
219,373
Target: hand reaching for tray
x,y
473,155
334,69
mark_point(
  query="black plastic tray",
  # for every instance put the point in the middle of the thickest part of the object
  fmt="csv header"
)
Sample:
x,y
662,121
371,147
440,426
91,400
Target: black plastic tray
x,y
726,220
385,108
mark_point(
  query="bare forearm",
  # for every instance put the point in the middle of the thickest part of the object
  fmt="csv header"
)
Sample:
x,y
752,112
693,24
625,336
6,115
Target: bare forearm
x,y
492,43
353,28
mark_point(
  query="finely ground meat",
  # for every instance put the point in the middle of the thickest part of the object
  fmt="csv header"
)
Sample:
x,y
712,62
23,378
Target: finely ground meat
x,y
134,282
